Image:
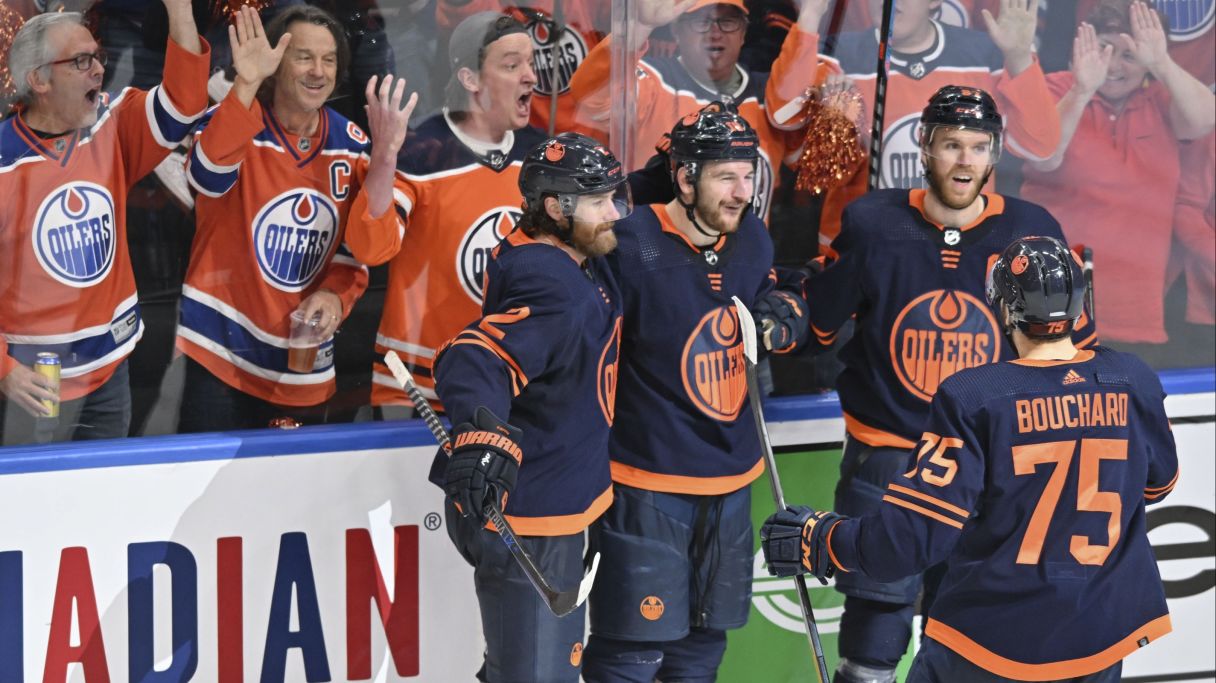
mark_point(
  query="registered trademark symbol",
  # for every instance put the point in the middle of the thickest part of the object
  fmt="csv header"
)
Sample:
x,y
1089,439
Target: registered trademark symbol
x,y
432,521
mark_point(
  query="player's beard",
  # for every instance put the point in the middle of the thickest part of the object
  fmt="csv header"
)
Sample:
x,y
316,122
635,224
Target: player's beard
x,y
594,239
939,184
716,219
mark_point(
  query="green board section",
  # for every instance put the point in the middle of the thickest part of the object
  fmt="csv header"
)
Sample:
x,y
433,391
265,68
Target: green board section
x,y
773,647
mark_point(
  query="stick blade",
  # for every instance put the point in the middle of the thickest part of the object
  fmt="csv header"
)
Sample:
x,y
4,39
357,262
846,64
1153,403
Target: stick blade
x,y
566,602
747,328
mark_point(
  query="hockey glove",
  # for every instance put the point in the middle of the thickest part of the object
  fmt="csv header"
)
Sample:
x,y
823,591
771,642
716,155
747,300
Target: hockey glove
x,y
794,541
782,320
483,465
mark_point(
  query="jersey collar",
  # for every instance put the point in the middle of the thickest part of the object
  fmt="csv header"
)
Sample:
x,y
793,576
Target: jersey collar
x,y
667,226
1082,356
58,149
994,205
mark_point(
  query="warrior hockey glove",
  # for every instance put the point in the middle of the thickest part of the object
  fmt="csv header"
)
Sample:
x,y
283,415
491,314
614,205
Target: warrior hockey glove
x,y
795,541
483,465
782,319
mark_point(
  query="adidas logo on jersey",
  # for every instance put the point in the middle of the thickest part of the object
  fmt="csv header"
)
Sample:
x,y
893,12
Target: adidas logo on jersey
x,y
1072,378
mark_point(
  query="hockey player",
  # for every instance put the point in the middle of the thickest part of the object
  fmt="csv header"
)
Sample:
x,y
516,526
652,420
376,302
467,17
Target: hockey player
x,y
279,178
911,270
709,36
925,55
457,184
1030,481
531,387
67,160
676,544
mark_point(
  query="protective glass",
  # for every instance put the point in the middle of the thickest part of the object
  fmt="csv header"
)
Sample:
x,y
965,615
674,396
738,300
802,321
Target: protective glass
x,y
603,207
977,148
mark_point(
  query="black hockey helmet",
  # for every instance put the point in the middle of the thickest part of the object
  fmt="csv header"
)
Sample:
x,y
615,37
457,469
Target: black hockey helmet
x,y
569,166
713,133
961,106
1040,281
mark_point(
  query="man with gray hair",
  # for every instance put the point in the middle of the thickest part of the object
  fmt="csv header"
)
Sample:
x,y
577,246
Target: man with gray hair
x,y
67,160
457,187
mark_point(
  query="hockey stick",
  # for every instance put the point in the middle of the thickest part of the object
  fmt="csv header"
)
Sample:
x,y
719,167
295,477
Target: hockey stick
x,y
560,603
880,95
747,327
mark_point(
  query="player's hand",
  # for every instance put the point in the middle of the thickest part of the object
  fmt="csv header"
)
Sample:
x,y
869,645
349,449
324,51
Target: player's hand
x,y
387,119
655,13
794,541
326,307
782,319
1013,31
1147,41
252,56
483,465
1090,60
28,389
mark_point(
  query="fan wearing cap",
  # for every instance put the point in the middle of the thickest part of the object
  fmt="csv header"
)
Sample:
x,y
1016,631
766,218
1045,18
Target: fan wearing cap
x,y
926,54
709,36
910,273
1030,482
676,545
457,189
536,375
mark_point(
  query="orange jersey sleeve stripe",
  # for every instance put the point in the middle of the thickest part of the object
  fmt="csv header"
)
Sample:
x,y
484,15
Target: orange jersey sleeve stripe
x,y
924,511
930,499
1072,668
1151,493
674,483
485,344
559,525
872,436
832,553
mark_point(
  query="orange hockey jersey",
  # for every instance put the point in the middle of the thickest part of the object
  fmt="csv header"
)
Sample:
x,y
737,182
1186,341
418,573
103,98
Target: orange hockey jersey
x,y
458,205
666,92
271,211
957,57
585,23
66,274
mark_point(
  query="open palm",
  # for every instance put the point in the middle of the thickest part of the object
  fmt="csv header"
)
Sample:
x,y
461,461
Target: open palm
x,y
252,56
1014,29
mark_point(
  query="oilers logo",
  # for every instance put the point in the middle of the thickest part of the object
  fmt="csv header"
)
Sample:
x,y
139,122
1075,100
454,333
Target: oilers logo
x,y
474,253
75,234
953,12
712,366
764,186
567,49
901,154
293,237
607,376
939,333
1188,19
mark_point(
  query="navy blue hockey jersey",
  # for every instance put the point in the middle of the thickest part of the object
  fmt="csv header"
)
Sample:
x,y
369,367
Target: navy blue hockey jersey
x,y
544,358
916,289
1031,482
684,421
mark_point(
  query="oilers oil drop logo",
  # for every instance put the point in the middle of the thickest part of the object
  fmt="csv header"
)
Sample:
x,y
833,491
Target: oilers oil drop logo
x,y
712,366
939,333
566,50
651,608
293,237
901,166
75,234
1188,19
606,378
479,241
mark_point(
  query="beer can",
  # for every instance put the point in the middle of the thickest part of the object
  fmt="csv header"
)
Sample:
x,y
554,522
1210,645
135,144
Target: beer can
x,y
47,364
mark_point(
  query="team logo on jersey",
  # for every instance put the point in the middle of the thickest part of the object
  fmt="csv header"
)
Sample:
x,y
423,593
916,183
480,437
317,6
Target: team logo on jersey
x,y
901,154
474,253
712,366
606,377
75,234
953,12
567,49
1188,19
764,185
576,654
939,333
293,236
651,608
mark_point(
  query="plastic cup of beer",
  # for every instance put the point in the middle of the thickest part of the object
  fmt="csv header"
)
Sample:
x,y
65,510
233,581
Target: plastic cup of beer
x,y
304,341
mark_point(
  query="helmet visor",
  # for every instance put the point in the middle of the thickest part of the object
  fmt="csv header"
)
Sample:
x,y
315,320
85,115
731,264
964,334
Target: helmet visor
x,y
957,145
603,207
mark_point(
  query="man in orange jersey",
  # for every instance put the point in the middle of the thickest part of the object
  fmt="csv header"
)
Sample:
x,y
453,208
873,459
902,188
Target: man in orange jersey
x,y
280,177
457,185
1030,481
67,160
709,35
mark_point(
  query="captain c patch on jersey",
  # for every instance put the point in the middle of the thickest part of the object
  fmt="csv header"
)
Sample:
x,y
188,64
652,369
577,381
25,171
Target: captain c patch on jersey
x,y
939,333
74,234
712,365
293,235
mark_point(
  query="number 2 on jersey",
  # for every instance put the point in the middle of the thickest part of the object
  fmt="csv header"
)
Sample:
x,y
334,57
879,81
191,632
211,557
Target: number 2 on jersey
x,y
1026,460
